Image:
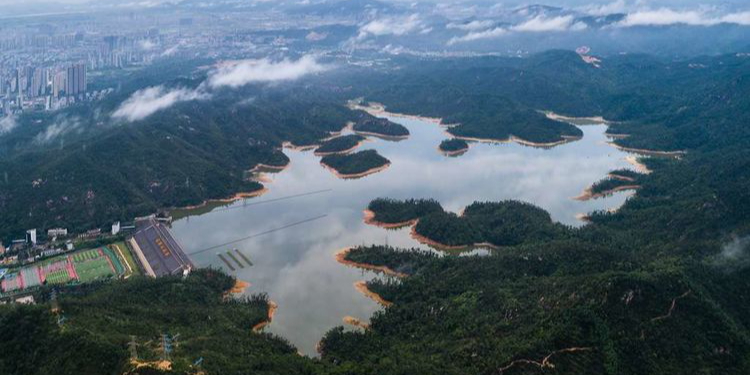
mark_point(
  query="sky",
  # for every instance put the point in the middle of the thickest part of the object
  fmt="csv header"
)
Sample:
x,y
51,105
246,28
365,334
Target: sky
x,y
565,3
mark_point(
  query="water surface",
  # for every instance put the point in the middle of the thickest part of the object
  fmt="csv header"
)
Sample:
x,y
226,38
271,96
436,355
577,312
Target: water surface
x,y
296,267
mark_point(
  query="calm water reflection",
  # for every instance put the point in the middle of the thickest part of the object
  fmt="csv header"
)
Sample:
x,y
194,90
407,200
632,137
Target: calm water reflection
x,y
296,267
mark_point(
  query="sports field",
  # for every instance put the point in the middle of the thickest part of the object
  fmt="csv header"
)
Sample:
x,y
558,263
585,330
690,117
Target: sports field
x,y
80,266
95,264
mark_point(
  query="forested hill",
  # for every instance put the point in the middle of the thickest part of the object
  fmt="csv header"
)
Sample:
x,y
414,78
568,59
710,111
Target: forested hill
x,y
660,286
76,169
180,156
663,105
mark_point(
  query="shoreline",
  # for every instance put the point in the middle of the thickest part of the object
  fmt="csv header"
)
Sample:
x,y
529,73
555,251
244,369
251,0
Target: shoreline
x,y
588,195
369,219
348,150
641,151
344,176
272,307
341,258
513,139
336,134
277,168
239,287
382,136
361,287
616,136
639,167
355,322
291,146
236,197
569,119
443,247
458,152
584,218
377,109
620,177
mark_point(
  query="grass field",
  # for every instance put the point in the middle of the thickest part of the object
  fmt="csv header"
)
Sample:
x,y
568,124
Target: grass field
x,y
123,251
58,277
91,265
85,255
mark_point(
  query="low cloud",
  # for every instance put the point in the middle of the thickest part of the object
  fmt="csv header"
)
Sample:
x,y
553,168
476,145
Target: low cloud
x,y
144,103
666,16
533,25
545,24
619,6
734,255
146,45
479,35
472,26
391,26
7,124
61,127
264,70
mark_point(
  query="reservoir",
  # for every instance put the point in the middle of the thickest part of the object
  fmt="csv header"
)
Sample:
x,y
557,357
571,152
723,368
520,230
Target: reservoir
x,y
295,265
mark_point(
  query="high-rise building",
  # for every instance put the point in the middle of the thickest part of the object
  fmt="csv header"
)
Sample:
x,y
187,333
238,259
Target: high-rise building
x,y
76,80
81,77
31,236
59,83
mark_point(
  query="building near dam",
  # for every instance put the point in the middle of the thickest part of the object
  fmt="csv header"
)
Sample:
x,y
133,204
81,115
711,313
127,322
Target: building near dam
x,y
157,250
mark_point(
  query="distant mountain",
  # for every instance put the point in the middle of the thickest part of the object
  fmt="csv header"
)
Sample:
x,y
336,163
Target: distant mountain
x,y
345,8
539,10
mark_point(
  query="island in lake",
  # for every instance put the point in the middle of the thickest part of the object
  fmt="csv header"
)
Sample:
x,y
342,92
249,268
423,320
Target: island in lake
x,y
453,147
355,165
340,145
482,224
370,125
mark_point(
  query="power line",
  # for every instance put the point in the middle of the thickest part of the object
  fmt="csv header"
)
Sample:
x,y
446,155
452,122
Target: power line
x,y
271,200
261,234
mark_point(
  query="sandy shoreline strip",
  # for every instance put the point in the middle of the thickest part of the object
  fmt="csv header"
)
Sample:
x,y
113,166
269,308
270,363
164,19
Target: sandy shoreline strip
x,y
272,307
453,152
341,258
291,146
348,150
361,286
641,151
355,175
369,219
377,110
554,116
236,197
382,136
355,322
239,287
260,166
336,134
640,167
588,194
566,139
440,246
620,177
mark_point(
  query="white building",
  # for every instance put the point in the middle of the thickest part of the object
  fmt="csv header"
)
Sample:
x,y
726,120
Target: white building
x,y
115,228
57,232
31,236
